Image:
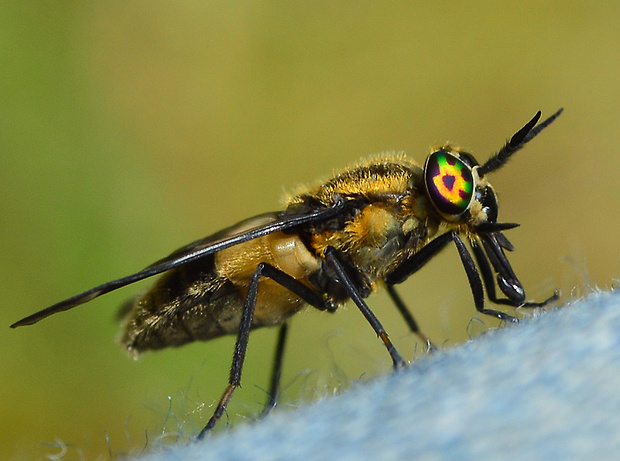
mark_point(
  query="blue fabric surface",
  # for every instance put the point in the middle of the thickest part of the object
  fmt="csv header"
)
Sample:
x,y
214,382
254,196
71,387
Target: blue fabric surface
x,y
547,388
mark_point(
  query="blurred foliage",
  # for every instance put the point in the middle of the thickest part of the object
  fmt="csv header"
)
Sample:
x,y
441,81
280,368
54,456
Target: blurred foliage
x,y
128,129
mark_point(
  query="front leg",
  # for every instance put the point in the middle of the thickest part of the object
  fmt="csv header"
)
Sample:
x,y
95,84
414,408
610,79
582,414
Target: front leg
x,y
514,297
420,258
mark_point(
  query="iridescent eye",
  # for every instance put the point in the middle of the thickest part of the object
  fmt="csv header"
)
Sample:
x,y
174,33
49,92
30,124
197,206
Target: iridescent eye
x,y
449,183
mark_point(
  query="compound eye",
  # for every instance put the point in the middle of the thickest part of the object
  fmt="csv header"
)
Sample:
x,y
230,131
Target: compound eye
x,y
449,183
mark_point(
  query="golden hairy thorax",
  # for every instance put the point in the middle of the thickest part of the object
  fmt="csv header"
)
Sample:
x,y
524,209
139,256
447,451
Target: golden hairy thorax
x,y
392,184
384,174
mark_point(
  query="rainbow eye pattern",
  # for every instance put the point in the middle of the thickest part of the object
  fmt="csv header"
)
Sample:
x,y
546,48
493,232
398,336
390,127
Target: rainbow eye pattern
x,y
449,183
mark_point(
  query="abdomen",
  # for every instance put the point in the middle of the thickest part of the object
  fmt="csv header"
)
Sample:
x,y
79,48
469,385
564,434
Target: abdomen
x,y
204,299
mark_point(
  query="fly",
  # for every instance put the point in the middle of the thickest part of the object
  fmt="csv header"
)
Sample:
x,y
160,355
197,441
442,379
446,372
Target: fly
x,y
372,225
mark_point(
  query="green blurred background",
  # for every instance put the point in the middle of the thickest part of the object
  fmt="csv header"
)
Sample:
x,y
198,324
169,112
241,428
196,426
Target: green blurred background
x,y
128,129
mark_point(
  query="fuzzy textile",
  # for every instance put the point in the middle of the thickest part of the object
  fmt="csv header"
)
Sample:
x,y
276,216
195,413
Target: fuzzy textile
x,y
545,389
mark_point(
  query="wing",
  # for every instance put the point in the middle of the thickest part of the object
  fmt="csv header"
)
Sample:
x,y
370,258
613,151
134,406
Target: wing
x,y
187,254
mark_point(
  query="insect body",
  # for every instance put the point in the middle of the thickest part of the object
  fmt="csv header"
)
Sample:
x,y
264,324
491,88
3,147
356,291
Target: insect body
x,y
373,224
